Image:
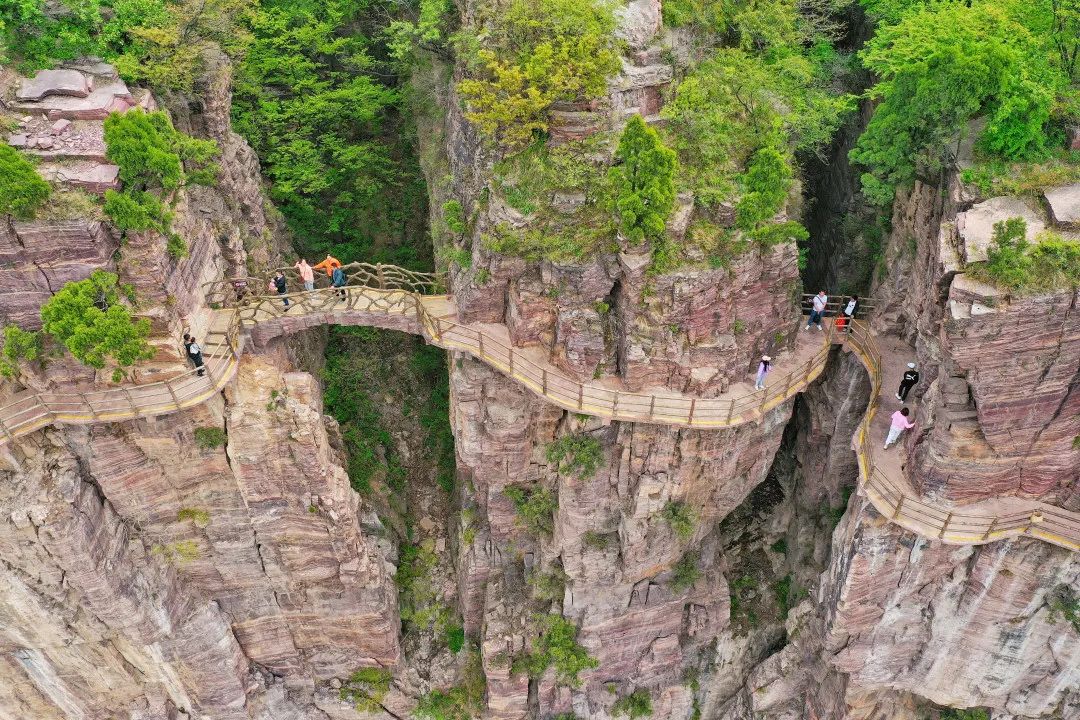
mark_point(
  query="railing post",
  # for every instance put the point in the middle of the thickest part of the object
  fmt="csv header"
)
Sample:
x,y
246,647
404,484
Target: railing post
x,y
693,403
580,395
944,527
89,406
382,282
730,411
176,402
544,381
993,524
131,402
652,405
899,504
481,337
511,361
615,405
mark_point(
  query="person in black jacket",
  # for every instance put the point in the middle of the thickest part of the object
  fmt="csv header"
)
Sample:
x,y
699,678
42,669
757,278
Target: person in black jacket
x,y
194,352
911,377
282,287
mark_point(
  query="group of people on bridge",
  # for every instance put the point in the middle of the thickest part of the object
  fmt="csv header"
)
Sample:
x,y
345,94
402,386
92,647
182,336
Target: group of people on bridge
x,y
331,266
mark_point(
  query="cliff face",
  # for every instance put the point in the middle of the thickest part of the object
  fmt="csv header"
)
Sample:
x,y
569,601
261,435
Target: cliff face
x,y
152,569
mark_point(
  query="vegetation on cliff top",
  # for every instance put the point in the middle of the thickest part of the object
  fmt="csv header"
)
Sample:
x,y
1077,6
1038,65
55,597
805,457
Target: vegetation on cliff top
x,y
22,191
556,646
155,161
1049,263
523,57
941,64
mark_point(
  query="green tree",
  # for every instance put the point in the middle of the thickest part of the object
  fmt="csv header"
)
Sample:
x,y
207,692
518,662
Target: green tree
x,y
939,66
557,646
644,181
89,318
765,188
19,346
534,53
22,191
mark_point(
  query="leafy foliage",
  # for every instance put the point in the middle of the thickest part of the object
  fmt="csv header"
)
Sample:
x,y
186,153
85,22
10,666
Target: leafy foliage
x,y
366,688
316,99
454,216
557,646
162,43
463,702
530,54
732,104
199,517
578,454
155,160
1065,605
637,704
685,572
1012,261
455,637
210,437
22,191
19,346
964,714
681,518
644,181
89,319
942,64
535,507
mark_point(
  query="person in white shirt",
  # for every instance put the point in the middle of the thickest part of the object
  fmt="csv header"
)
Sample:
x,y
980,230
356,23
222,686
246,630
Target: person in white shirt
x,y
821,301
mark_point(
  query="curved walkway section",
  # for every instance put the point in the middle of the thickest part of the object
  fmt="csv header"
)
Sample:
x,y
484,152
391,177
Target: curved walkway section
x,y
398,303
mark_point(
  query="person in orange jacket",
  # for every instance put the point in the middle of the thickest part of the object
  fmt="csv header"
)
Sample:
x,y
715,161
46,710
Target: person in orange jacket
x,y
330,264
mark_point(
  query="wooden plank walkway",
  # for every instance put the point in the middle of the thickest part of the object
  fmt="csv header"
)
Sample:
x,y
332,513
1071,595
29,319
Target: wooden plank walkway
x,y
882,478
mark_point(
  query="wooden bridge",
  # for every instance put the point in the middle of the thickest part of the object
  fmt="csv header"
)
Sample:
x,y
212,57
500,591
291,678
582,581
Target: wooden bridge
x,y
390,297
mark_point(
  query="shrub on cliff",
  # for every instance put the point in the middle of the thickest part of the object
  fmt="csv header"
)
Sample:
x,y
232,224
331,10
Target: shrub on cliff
x,y
535,507
155,160
19,346
578,454
22,191
942,64
531,54
90,319
637,704
366,688
644,182
556,646
1050,263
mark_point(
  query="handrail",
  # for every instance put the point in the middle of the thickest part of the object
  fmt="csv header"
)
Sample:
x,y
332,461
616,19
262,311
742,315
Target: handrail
x,y
392,293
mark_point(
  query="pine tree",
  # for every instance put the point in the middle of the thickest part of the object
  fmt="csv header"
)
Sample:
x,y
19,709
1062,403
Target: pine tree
x,y
644,180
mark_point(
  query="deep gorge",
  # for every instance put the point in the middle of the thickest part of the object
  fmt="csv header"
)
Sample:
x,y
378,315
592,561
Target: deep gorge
x,y
359,525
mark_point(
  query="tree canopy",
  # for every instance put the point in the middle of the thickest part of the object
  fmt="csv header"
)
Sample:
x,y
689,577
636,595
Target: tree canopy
x,y
644,180
21,189
90,319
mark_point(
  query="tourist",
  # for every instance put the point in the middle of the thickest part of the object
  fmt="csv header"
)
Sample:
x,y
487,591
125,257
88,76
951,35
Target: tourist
x,y
900,423
279,284
762,370
330,264
195,353
842,321
337,280
911,376
821,301
849,311
307,274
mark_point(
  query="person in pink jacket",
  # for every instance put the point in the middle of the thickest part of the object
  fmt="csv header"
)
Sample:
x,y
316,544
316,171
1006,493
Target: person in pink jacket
x,y
900,423
307,273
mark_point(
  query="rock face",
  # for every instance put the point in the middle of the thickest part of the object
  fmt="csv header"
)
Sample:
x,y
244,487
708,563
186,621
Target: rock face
x,y
1000,402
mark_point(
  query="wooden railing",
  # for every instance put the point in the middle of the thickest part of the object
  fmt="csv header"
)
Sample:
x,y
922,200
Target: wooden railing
x,y
395,294
557,387
900,504
30,411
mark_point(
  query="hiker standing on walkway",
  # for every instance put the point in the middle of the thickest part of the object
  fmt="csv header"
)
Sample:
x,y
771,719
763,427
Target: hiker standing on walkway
x,y
821,301
279,284
307,274
911,377
195,353
328,265
337,280
762,370
899,424
849,310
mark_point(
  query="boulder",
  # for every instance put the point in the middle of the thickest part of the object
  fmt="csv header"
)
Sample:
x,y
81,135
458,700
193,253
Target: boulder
x,y
1064,204
69,83
60,127
976,226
